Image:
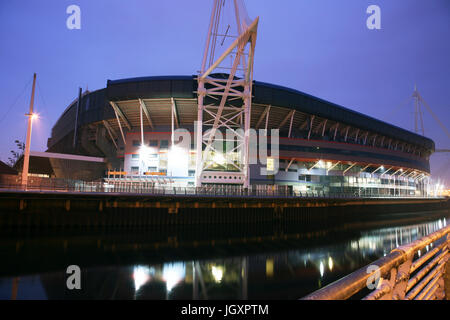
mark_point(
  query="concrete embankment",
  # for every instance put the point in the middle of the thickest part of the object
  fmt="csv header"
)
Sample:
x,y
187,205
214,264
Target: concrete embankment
x,y
54,209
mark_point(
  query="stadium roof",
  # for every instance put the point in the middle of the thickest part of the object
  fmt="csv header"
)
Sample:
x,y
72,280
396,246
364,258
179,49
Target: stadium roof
x,y
161,87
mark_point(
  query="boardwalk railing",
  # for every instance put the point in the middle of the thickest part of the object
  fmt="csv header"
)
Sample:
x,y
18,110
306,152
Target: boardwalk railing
x,y
146,188
404,274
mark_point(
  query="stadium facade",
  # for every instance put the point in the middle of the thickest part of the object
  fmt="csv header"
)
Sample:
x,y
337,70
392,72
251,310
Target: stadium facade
x,y
323,147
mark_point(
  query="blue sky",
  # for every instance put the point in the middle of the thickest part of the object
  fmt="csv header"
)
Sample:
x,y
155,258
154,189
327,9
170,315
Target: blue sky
x,y
320,47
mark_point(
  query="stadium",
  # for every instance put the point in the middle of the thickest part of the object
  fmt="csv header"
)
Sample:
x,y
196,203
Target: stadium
x,y
323,147
129,132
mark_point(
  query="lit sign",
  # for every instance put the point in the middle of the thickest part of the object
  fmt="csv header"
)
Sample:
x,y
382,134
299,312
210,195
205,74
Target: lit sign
x,y
270,164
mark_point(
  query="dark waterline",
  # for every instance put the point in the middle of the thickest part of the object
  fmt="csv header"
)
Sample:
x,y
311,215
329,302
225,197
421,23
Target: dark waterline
x,y
231,262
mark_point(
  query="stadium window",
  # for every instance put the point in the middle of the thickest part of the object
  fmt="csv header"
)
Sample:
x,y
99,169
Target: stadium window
x,y
135,156
136,143
191,173
152,169
164,144
153,156
135,169
153,143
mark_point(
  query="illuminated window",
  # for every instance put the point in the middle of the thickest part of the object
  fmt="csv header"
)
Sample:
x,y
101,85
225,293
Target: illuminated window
x,y
135,156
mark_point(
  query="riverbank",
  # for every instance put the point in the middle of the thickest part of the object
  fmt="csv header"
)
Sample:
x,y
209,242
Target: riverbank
x,y
92,210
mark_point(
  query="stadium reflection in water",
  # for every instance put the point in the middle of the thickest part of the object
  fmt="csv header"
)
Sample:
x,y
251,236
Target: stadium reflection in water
x,y
275,271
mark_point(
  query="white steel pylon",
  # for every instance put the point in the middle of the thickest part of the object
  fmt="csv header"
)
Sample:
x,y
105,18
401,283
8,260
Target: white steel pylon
x,y
418,102
417,111
224,99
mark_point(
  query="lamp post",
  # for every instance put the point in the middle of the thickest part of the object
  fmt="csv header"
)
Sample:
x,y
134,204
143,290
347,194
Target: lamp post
x,y
26,157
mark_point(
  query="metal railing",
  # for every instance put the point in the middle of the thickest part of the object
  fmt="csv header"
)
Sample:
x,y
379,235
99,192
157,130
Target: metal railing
x,y
217,191
404,274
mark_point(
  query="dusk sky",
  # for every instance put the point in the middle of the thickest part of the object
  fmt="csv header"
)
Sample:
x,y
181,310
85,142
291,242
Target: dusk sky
x,y
321,47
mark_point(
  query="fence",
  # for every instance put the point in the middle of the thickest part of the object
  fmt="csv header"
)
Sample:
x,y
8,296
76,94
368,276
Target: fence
x,y
147,188
404,274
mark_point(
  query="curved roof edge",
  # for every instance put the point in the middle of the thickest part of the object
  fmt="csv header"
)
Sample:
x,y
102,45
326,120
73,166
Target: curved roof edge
x,y
276,95
356,118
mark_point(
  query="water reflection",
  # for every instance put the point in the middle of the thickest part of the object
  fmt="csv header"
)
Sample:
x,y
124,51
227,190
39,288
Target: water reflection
x,y
287,269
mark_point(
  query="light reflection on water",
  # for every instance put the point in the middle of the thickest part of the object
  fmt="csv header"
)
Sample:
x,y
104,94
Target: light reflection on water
x,y
278,273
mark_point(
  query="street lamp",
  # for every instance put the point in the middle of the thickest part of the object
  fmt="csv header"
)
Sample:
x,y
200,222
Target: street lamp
x,y
26,157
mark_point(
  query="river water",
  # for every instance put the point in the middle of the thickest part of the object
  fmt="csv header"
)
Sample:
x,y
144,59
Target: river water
x,y
209,262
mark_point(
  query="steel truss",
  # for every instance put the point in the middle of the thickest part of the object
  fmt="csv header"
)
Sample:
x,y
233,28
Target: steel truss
x,y
224,102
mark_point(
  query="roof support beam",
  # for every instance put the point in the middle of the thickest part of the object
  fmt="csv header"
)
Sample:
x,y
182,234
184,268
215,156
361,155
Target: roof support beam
x,y
336,130
346,170
410,174
315,165
290,125
386,171
357,134
346,133
146,112
333,166
289,165
319,126
404,172
324,127
422,178
110,132
266,110
175,112
119,112
288,116
365,138
267,119
379,168
142,125
304,124
120,127
365,168
310,126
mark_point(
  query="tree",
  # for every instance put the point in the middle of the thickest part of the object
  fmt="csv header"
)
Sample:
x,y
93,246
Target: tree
x,y
16,154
